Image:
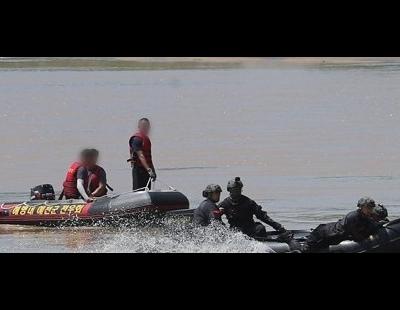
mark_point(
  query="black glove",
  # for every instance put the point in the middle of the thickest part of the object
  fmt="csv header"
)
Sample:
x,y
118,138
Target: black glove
x,y
284,235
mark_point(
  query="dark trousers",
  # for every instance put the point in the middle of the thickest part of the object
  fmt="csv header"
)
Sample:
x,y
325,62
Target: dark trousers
x,y
325,235
140,177
255,230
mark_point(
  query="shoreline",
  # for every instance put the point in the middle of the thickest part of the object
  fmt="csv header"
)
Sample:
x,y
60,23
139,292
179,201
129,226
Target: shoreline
x,y
171,63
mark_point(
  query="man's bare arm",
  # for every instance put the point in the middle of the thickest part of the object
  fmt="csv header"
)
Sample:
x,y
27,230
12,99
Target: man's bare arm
x,y
81,189
149,169
143,160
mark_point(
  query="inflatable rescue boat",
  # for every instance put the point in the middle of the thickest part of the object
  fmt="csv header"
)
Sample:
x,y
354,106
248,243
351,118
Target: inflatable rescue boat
x,y
78,212
386,239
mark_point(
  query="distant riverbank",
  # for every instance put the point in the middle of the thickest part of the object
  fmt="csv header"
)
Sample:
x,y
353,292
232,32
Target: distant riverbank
x,y
269,60
167,63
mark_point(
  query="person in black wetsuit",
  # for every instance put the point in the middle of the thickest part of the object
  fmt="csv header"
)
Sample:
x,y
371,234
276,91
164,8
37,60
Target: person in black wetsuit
x,y
356,225
208,210
240,211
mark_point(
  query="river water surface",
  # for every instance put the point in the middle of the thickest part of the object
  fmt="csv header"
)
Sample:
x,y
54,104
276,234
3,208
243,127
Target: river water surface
x,y
307,142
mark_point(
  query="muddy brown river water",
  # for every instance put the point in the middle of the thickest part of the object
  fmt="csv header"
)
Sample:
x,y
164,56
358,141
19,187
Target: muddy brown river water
x,y
307,142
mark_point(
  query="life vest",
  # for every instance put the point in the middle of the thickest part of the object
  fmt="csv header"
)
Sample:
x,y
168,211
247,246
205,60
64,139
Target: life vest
x,y
146,149
70,183
94,179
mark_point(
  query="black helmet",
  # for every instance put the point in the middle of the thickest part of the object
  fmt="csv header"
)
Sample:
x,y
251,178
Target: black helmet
x,y
235,183
366,202
211,188
379,212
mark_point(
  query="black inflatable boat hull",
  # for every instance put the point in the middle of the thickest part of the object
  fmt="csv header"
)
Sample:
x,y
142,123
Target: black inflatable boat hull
x,y
386,240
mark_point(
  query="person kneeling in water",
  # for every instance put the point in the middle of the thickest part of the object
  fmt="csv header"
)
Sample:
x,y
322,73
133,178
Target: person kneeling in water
x,y
356,225
85,179
239,210
208,210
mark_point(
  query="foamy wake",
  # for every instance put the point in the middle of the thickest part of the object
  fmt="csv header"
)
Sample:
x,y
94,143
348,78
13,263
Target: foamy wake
x,y
176,236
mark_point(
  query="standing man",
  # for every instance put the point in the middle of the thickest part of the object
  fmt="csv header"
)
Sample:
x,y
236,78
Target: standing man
x,y
140,151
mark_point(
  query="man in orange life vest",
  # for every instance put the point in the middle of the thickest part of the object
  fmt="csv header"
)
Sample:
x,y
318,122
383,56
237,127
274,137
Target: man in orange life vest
x,y
140,151
85,179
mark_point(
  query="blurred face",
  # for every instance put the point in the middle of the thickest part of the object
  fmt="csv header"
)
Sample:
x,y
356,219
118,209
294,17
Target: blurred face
x,y
93,161
90,161
215,196
144,127
235,193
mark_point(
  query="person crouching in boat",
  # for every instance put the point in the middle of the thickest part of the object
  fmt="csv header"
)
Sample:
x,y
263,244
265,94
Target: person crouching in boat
x,y
208,210
85,179
97,177
356,225
239,211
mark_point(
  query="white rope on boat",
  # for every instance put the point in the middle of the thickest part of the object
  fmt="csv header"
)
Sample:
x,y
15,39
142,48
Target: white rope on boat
x,y
146,188
170,187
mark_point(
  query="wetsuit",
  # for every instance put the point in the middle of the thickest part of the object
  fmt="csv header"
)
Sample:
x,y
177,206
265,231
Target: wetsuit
x,y
207,212
240,215
354,226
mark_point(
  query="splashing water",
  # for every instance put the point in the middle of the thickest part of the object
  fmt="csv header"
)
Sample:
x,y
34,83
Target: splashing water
x,y
143,235
177,236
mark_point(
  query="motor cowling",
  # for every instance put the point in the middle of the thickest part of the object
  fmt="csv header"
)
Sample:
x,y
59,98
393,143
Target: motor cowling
x,y
43,192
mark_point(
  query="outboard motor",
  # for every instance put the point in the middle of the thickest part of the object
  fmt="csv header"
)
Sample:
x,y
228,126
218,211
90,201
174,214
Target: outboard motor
x,y
43,192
